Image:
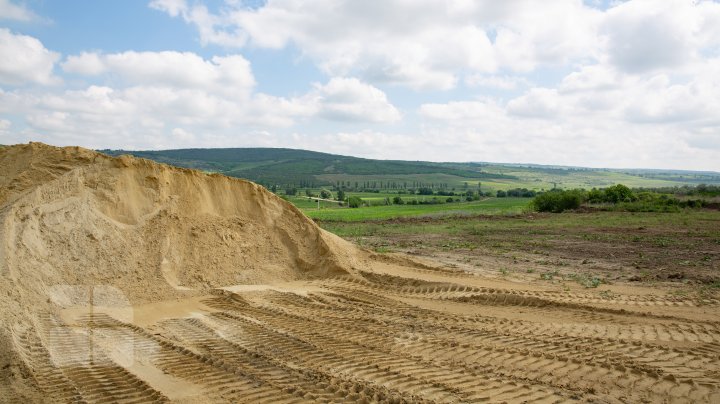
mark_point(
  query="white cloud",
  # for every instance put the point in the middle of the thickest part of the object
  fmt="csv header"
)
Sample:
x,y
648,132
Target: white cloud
x,y
5,128
173,7
18,12
213,29
644,35
348,99
228,74
467,112
536,103
498,82
598,116
419,44
24,60
146,99
630,83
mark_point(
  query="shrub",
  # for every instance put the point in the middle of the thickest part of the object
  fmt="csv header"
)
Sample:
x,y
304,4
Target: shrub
x,y
619,193
398,201
557,201
355,202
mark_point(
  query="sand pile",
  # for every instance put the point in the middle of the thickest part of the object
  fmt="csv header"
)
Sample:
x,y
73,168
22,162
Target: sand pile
x,y
71,216
74,216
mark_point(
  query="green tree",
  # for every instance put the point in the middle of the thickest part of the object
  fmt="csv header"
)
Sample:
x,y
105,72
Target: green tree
x,y
619,193
557,201
355,202
340,195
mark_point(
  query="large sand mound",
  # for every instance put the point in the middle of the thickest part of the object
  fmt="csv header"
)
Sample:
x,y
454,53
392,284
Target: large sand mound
x,y
71,216
74,216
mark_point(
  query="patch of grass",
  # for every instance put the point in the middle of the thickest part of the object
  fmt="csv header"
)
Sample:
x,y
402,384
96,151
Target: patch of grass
x,y
587,280
548,276
662,242
457,245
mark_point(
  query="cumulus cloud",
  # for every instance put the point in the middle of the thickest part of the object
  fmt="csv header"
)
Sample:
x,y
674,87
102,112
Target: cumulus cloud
x,y
597,114
420,44
12,11
148,99
25,60
630,83
644,35
348,99
536,103
228,74
499,82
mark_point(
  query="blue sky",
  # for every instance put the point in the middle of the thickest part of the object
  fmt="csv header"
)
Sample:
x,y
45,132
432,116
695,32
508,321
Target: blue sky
x,y
589,83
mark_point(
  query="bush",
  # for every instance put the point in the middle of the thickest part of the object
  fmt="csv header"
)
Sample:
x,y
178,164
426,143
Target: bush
x,y
355,202
501,194
398,201
325,194
619,193
521,193
557,201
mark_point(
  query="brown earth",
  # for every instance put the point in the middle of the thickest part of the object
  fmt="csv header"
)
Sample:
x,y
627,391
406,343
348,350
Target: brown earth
x,y
128,281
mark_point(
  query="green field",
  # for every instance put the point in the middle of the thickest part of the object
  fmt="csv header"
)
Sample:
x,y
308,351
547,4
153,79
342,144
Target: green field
x,y
490,206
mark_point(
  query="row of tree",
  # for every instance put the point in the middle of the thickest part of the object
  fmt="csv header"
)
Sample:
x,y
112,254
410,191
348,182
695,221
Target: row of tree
x,y
616,197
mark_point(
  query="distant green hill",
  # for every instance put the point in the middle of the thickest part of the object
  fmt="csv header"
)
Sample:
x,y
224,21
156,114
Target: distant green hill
x,y
303,168
289,167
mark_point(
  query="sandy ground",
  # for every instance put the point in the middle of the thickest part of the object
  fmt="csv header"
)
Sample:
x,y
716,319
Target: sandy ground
x,y
343,325
393,333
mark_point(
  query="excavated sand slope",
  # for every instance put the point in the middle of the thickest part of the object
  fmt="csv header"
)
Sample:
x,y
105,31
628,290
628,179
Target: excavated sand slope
x,y
207,289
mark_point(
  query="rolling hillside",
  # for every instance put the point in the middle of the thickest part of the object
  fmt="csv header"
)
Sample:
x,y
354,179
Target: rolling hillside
x,y
302,168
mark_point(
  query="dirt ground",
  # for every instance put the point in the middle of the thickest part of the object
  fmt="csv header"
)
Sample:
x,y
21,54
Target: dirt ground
x,y
398,332
675,252
187,297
